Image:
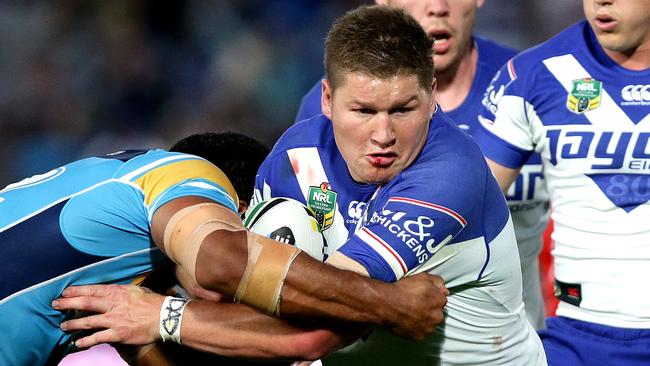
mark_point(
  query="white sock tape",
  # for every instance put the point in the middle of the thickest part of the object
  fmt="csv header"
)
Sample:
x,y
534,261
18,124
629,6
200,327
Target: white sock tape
x,y
171,316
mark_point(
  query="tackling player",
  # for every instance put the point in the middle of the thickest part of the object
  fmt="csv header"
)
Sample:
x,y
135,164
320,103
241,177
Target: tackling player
x,y
464,63
111,219
582,100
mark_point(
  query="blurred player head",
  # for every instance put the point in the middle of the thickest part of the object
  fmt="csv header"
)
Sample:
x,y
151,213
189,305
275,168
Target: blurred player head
x,y
379,90
449,22
622,27
237,155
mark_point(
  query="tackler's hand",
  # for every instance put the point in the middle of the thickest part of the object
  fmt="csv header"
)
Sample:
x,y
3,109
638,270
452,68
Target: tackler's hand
x,y
124,313
421,299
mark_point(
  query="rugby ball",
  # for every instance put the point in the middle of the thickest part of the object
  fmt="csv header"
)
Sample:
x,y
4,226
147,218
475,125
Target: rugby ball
x,y
288,221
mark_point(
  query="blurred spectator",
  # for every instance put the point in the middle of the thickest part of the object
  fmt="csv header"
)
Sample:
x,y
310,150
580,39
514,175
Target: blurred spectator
x,y
82,77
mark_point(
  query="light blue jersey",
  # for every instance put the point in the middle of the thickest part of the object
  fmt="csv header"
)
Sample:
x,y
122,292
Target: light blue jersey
x,y
87,222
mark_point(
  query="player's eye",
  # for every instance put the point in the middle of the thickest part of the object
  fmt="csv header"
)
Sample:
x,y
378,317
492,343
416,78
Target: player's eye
x,y
402,110
364,111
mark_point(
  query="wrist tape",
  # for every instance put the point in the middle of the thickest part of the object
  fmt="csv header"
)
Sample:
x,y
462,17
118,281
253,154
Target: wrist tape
x,y
171,316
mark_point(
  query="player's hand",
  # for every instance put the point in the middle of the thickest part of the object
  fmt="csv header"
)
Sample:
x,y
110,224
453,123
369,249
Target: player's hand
x,y
420,300
127,314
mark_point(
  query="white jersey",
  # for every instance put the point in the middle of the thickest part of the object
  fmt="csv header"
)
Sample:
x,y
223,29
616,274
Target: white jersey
x,y
444,214
590,121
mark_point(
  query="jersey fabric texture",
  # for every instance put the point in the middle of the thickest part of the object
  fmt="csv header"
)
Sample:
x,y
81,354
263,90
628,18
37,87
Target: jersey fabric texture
x,y
444,214
87,222
590,120
527,198
575,342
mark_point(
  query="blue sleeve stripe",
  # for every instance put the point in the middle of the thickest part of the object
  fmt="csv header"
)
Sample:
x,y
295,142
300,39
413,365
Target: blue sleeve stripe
x,y
499,150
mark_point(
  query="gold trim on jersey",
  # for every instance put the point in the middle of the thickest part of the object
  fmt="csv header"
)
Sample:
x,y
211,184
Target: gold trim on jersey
x,y
161,178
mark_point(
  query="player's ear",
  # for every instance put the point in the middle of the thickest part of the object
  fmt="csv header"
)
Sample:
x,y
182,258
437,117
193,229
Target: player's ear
x,y
479,3
326,98
243,206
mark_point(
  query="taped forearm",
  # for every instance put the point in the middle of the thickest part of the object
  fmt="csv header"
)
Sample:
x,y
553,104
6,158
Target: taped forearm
x,y
266,269
189,227
267,260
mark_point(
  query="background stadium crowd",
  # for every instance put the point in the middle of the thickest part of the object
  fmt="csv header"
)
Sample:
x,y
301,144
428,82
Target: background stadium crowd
x,y
89,77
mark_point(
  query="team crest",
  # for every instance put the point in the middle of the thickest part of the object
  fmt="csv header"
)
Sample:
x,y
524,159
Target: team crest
x,y
585,95
322,201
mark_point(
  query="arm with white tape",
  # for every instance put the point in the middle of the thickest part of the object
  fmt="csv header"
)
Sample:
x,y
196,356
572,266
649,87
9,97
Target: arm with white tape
x,y
132,315
211,243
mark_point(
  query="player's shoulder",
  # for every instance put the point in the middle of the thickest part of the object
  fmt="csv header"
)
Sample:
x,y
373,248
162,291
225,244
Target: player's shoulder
x,y
138,162
310,105
569,41
312,132
491,52
448,152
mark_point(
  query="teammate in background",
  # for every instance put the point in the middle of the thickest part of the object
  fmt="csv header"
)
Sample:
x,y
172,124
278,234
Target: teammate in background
x,y
464,64
582,100
399,189
103,219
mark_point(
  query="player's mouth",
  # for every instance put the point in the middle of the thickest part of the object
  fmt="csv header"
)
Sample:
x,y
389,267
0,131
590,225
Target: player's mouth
x,y
382,160
441,39
605,22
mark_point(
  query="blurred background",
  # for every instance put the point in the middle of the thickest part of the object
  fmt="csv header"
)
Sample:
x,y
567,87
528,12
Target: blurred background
x,y
84,77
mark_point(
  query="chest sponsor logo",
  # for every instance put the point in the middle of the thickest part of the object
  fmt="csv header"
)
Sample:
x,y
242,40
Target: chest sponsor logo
x,y
585,95
322,201
635,95
524,187
415,234
618,162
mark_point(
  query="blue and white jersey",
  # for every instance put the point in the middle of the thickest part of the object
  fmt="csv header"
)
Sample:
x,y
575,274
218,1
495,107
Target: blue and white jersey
x,y
444,214
527,198
87,222
590,120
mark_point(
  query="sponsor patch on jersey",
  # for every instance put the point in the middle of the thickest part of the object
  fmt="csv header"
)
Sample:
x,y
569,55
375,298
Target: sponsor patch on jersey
x,y
585,95
322,201
635,95
407,232
626,191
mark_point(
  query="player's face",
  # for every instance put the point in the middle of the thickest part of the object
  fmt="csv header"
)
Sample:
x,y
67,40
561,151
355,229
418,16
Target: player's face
x,y
620,25
380,125
449,22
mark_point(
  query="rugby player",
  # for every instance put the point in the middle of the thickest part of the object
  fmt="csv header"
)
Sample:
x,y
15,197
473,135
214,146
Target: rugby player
x,y
399,189
464,63
582,100
107,220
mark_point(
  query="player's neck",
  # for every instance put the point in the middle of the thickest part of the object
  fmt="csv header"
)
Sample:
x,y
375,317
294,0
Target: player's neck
x,y
637,59
454,84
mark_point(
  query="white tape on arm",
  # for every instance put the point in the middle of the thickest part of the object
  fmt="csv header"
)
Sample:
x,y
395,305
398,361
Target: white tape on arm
x,y
171,316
